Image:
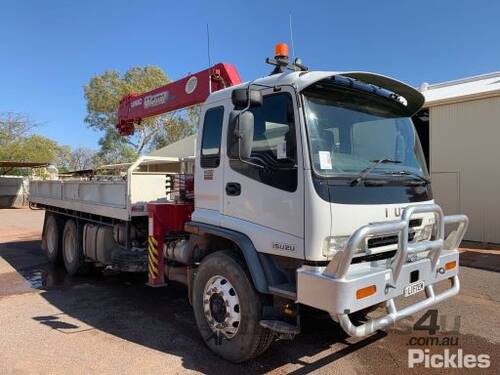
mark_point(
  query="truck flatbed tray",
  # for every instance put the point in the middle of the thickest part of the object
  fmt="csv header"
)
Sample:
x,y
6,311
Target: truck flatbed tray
x,y
119,198
99,198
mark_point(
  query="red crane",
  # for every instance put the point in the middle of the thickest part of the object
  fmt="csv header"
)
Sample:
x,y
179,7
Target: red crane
x,y
188,91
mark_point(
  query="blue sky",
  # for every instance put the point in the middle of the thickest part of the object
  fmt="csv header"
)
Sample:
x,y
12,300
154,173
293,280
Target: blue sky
x,y
50,49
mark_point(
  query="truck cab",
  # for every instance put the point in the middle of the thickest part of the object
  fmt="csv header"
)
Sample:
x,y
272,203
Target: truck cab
x,y
324,175
314,133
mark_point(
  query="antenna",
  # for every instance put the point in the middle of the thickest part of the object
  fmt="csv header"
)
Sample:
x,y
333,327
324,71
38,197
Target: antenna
x,y
291,36
209,61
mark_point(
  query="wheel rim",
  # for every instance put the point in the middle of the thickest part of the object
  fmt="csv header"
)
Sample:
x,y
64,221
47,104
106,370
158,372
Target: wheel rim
x,y
69,246
51,238
221,306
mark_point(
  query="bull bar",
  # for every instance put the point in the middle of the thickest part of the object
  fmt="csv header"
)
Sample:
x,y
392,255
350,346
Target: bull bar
x,y
333,288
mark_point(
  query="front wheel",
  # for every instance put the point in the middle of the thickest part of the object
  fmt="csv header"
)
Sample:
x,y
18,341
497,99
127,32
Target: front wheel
x,y
227,308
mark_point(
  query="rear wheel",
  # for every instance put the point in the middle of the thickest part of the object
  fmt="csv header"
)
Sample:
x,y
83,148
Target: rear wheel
x,y
52,239
73,258
227,308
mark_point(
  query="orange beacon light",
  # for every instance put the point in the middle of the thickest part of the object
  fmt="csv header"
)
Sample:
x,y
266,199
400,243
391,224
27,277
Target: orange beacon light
x,y
281,50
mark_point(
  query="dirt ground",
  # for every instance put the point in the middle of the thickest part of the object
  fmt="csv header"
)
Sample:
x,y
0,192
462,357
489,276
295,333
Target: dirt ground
x,y
51,323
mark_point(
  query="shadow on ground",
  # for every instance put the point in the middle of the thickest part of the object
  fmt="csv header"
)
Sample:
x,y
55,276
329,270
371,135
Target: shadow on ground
x,y
161,318
484,261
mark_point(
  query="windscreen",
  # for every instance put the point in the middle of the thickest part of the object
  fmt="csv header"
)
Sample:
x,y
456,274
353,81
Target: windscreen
x,y
349,131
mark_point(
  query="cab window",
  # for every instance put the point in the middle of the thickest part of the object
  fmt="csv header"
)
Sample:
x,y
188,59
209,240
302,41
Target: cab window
x,y
211,138
273,158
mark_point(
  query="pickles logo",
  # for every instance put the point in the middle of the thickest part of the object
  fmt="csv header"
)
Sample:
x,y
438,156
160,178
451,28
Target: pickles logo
x,y
448,359
283,246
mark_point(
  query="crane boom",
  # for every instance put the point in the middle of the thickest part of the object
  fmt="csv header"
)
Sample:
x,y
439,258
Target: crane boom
x,y
190,90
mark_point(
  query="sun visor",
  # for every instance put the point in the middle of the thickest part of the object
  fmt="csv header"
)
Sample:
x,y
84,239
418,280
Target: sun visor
x,y
413,98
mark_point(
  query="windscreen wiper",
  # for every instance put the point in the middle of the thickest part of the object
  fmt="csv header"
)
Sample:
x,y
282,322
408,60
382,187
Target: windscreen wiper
x,y
370,168
409,173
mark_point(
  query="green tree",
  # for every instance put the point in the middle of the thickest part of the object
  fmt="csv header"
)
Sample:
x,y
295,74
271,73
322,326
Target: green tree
x,y
175,128
17,144
35,148
103,94
114,149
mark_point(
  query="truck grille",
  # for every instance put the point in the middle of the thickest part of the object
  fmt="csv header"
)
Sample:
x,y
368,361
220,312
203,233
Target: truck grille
x,y
374,257
387,240
393,238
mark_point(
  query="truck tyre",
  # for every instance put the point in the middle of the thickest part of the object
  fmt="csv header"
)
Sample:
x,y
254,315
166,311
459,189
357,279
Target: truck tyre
x,y
73,258
227,308
52,239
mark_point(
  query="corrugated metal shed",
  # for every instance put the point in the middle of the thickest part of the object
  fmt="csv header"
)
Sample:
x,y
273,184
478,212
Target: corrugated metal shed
x,y
464,147
477,87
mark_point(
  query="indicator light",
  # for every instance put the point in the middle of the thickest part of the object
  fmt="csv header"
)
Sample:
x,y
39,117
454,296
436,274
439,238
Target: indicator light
x,y
450,265
366,292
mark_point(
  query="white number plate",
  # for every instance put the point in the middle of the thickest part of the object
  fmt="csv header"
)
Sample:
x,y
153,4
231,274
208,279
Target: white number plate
x,y
414,288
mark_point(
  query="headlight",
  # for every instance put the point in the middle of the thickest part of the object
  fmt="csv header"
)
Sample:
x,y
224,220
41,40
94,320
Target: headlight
x,y
333,244
424,234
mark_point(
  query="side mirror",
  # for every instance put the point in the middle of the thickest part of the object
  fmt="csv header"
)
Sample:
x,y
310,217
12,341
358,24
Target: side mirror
x,y
240,135
245,134
242,97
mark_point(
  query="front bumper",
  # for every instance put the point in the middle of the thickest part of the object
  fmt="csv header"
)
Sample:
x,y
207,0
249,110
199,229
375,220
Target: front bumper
x,y
333,288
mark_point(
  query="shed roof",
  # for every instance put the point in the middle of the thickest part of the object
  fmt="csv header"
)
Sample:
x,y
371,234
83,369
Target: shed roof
x,y
470,88
180,149
21,164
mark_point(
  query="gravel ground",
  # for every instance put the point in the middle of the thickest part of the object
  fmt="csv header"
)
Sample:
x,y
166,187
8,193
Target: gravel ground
x,y
51,323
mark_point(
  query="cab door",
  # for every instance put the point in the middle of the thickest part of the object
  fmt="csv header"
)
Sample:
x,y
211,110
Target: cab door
x,y
263,197
209,171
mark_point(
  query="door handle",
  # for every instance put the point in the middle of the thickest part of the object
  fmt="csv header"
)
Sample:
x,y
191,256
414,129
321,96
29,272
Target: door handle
x,y
233,188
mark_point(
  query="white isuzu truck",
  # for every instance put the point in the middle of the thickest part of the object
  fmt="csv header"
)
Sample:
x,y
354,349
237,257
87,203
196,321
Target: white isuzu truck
x,y
309,188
